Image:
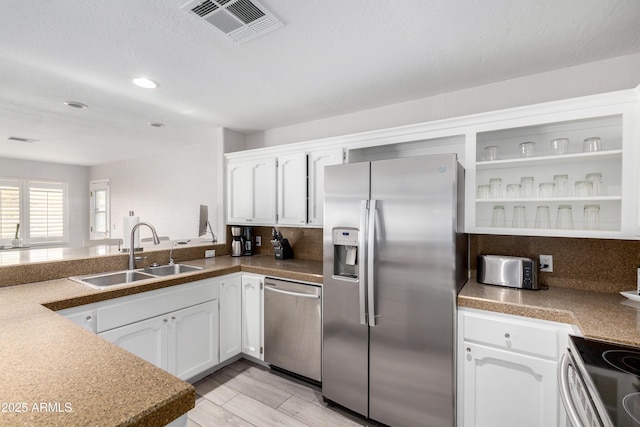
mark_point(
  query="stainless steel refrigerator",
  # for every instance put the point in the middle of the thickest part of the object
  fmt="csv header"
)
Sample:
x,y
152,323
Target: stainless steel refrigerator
x,y
395,258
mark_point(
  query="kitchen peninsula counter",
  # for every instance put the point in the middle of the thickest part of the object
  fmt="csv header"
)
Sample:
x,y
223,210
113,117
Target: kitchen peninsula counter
x,y
57,373
605,316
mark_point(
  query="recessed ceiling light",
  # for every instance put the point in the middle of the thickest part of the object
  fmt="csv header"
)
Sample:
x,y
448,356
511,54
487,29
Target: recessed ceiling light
x,y
145,83
75,104
157,124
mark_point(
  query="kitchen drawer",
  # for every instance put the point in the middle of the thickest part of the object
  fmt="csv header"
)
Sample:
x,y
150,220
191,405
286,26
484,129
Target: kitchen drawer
x,y
125,310
526,336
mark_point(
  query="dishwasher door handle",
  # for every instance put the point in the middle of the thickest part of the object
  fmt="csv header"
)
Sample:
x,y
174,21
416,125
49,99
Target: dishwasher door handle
x,y
293,294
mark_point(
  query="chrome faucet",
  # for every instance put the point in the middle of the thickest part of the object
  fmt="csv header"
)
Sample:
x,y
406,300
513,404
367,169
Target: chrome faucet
x,y
173,245
156,241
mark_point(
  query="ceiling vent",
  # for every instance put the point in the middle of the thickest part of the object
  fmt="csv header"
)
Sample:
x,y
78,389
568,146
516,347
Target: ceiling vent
x,y
20,139
240,20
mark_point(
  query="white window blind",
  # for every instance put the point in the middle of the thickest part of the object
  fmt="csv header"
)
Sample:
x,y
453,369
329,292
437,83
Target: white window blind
x,y
9,208
46,211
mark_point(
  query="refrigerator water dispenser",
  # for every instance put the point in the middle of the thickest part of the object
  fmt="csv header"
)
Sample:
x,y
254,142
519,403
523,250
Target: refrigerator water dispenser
x,y
345,246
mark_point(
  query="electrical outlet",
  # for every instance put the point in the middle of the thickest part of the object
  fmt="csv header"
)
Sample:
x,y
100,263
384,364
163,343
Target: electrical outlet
x,y
258,241
546,263
209,253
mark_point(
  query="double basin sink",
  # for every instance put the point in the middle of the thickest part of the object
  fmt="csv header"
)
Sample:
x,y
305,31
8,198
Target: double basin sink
x,y
106,280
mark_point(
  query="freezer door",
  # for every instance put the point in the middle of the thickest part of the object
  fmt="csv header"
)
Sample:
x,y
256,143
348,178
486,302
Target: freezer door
x,y
345,338
412,342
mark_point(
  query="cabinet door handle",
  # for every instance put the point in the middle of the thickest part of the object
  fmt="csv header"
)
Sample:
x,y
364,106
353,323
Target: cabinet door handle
x,y
165,320
173,317
88,318
507,335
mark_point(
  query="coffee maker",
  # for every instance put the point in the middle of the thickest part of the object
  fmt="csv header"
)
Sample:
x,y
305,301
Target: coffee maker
x,y
237,245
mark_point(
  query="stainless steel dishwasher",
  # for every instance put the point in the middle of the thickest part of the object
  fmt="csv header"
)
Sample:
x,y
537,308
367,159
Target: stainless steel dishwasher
x,y
293,327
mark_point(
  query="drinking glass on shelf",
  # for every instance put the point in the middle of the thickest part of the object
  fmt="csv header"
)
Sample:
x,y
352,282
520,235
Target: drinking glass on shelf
x,y
591,145
519,219
584,188
592,217
527,187
542,217
559,146
526,149
498,219
547,190
490,153
484,192
513,191
595,178
562,185
564,219
496,187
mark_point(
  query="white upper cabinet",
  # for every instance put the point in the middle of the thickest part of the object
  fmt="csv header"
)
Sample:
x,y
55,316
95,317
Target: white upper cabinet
x,y
611,211
292,189
298,177
578,192
317,162
251,191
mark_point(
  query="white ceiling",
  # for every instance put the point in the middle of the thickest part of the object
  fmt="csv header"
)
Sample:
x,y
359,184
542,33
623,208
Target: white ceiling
x,y
331,57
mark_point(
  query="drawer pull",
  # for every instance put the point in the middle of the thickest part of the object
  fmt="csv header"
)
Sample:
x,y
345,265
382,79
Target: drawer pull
x,y
507,335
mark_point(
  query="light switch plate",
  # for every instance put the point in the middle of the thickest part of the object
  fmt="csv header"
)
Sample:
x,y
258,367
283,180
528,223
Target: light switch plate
x,y
258,241
209,253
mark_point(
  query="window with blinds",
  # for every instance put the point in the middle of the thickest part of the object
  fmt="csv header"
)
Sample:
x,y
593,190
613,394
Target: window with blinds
x,y
38,206
46,212
9,209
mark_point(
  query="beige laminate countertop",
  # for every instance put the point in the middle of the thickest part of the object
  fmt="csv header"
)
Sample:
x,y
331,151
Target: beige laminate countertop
x,y
605,316
54,372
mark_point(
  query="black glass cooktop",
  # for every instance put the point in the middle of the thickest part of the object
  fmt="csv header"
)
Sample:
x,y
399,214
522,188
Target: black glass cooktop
x,y
614,370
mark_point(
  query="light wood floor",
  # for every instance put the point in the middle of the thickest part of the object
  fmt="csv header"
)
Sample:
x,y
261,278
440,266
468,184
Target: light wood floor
x,y
247,394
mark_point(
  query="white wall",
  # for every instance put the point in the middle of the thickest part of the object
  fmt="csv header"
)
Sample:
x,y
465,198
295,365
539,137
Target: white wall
x,y
587,79
78,180
167,189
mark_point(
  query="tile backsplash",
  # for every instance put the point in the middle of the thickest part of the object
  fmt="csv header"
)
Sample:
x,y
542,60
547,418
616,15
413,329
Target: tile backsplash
x,y
589,264
305,242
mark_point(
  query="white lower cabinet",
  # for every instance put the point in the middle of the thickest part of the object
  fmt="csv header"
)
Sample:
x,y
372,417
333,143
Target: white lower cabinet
x,y
183,342
146,339
184,329
503,388
84,316
252,306
507,370
230,317
193,340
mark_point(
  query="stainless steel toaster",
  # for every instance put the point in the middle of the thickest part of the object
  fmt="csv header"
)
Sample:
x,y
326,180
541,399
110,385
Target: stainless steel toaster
x,y
510,271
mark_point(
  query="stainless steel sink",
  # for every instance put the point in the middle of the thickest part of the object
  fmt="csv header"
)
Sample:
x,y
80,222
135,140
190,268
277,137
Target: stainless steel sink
x,y
168,270
116,278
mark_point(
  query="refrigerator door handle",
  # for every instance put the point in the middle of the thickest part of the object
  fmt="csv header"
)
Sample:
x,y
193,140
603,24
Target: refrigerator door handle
x,y
371,235
362,247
